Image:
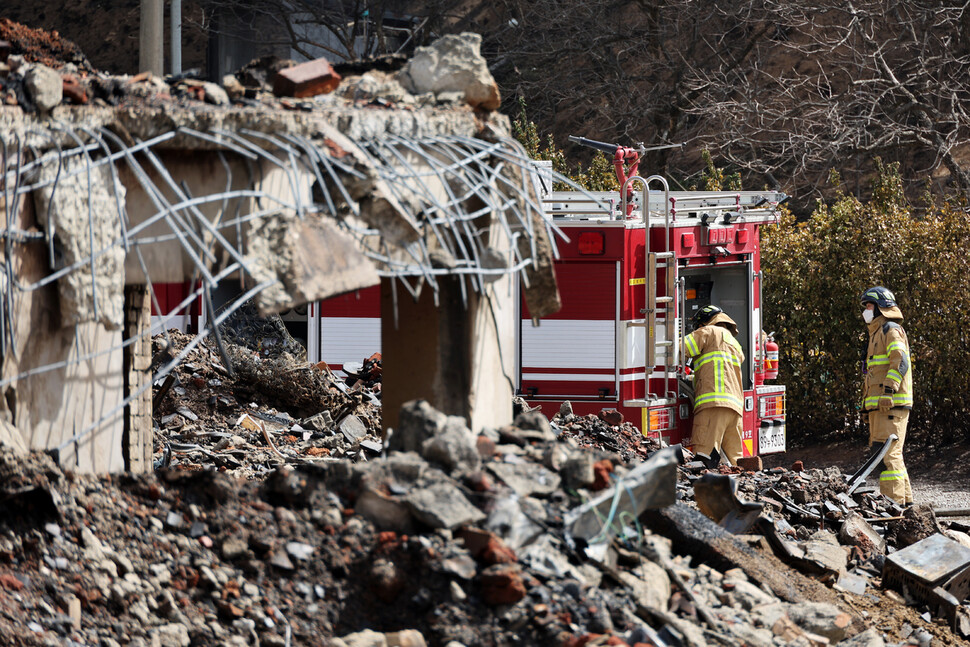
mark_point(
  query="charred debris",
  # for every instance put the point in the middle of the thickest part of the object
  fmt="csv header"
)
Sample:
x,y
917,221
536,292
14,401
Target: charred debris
x,y
279,514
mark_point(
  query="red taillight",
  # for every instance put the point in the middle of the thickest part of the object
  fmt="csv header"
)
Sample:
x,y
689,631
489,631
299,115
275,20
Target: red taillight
x,y
591,243
742,236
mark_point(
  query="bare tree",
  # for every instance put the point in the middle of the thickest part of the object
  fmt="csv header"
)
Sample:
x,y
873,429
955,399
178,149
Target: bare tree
x,y
783,90
842,82
338,29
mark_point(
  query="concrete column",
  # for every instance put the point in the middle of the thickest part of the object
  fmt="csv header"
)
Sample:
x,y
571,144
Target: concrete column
x,y
137,441
151,50
459,359
410,363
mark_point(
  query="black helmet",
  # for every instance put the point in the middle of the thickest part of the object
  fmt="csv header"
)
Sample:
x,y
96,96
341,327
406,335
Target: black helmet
x,y
705,314
880,296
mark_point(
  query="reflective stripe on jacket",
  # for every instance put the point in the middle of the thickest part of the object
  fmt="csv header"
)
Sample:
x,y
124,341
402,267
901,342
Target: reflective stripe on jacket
x,y
888,363
717,368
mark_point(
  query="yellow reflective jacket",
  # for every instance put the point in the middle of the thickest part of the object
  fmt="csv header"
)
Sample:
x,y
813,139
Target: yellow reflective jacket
x,y
888,363
717,366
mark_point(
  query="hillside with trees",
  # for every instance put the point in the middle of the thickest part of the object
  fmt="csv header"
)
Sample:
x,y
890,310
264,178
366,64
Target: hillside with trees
x,y
780,91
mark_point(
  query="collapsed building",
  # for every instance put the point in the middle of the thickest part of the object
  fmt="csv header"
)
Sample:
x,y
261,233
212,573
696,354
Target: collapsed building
x,y
112,186
462,529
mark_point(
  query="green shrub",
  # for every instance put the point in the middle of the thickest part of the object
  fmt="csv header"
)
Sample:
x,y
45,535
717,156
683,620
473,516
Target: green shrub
x,y
815,272
598,176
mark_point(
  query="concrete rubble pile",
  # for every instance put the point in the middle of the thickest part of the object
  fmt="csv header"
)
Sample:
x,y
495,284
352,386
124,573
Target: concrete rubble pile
x,y
449,537
842,532
271,409
41,70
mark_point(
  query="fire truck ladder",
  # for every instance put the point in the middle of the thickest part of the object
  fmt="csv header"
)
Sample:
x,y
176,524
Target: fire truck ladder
x,y
656,261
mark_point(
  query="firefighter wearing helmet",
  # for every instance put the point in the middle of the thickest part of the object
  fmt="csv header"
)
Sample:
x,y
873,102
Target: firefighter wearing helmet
x,y
888,389
718,400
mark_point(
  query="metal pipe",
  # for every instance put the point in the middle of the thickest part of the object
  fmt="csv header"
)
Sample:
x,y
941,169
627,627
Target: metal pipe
x,y
952,512
175,35
151,50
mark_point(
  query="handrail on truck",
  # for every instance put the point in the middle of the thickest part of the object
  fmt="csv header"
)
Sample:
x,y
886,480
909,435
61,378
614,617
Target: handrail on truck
x,y
650,283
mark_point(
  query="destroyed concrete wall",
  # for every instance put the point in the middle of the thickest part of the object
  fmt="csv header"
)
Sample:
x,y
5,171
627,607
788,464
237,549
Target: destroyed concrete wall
x,y
83,212
307,260
294,205
79,378
492,345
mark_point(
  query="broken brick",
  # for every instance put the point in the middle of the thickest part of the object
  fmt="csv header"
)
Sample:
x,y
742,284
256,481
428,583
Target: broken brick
x,y
10,582
750,463
611,417
798,466
497,552
486,447
73,90
502,584
601,470
479,481
306,79
228,610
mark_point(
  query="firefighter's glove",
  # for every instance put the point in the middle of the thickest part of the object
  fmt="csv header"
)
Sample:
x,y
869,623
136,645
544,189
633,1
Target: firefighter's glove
x,y
885,403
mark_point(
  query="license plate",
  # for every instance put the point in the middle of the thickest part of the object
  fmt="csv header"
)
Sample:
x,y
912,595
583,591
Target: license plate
x,y
771,439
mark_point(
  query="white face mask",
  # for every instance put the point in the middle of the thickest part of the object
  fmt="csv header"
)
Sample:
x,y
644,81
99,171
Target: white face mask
x,y
868,315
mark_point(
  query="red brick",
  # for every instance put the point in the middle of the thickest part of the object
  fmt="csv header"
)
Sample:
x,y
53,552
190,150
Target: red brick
x,y
798,466
73,90
485,446
11,582
306,79
601,474
750,463
229,611
502,584
611,417
486,546
475,539
496,552
479,481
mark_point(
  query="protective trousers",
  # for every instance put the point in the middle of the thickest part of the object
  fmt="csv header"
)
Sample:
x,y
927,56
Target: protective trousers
x,y
718,428
893,482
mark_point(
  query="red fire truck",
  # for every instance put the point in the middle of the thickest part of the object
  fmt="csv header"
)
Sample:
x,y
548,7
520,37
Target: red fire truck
x,y
638,263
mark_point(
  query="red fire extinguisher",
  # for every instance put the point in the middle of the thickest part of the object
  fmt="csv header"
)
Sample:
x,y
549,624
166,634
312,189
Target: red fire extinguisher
x,y
771,358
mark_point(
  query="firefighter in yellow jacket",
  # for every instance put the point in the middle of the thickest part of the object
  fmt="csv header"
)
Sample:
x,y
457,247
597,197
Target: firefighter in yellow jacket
x,y
888,389
718,399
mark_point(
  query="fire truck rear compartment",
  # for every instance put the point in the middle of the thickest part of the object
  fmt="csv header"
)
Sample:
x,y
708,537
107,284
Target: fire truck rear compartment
x,y
729,288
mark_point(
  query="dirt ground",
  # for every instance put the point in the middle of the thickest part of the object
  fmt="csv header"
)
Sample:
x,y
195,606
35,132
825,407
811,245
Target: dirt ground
x,y
940,475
